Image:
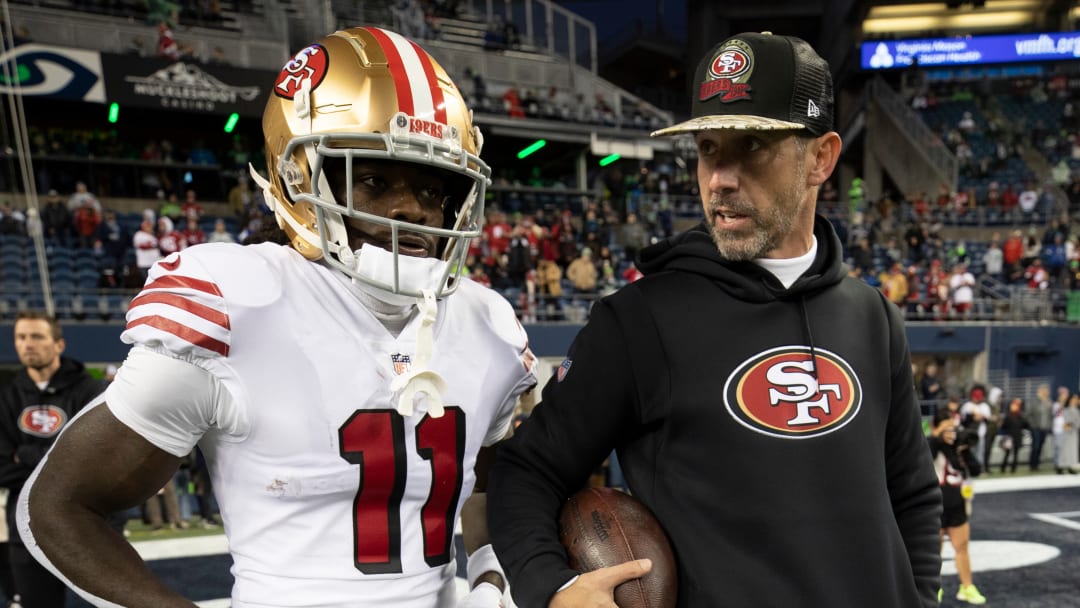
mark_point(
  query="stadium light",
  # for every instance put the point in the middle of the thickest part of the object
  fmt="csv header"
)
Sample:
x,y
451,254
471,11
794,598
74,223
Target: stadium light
x,y
533,147
231,123
114,112
607,160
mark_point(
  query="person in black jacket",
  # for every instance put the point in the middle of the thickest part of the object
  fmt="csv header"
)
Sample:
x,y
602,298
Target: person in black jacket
x,y
761,402
954,462
45,394
1012,433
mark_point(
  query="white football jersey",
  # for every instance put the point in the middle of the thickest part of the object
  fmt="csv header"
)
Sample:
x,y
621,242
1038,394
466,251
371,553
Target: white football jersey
x,y
329,496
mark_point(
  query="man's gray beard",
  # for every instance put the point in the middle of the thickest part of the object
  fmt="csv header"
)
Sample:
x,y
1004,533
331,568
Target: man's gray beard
x,y
767,230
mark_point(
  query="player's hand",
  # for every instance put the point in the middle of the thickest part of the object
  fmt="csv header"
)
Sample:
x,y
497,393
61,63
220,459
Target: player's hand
x,y
596,589
484,595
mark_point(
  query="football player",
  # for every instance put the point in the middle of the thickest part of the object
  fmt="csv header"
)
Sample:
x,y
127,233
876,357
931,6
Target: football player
x,y
344,402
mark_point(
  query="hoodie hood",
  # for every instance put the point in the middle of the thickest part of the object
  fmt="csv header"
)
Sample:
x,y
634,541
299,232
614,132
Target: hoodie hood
x,y
70,372
694,251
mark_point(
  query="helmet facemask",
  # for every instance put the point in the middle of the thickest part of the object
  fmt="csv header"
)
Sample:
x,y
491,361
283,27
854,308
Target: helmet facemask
x,y
462,221
368,94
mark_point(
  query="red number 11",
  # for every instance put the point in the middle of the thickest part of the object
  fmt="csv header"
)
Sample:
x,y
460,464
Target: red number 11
x,y
375,440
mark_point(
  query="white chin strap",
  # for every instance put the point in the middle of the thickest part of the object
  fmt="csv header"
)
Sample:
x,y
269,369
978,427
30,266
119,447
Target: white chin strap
x,y
420,379
375,266
418,275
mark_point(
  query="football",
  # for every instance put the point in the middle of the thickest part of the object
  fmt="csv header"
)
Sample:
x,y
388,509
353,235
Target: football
x,y
603,527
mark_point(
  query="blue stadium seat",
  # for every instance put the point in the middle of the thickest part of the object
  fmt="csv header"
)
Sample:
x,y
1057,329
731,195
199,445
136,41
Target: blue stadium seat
x,y
86,278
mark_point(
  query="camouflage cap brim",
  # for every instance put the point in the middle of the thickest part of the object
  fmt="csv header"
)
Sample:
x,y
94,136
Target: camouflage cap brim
x,y
734,121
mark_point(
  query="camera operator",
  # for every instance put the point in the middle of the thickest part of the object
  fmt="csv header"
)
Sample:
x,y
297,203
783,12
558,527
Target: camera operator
x,y
954,462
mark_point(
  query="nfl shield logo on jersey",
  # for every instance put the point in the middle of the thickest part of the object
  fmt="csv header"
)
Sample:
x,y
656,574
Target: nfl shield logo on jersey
x,y
402,363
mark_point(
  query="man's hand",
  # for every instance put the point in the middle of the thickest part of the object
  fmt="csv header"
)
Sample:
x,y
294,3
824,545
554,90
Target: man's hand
x,y
596,589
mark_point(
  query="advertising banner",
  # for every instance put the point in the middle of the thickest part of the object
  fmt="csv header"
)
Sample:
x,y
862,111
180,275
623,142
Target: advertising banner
x,y
185,85
970,50
52,71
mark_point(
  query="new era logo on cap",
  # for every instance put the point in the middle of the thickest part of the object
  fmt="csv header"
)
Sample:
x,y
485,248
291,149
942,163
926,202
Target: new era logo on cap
x,y
760,82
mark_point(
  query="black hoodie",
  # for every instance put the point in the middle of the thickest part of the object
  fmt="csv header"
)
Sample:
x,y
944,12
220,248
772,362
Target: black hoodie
x,y
774,432
31,418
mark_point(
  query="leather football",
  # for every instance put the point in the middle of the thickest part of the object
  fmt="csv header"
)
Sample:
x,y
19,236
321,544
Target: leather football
x,y
603,527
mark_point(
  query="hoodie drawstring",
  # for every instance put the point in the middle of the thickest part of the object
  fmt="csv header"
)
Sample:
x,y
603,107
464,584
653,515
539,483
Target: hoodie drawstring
x,y
809,336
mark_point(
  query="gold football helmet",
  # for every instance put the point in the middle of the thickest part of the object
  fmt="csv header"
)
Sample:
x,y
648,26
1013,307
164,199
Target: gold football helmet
x,y
366,93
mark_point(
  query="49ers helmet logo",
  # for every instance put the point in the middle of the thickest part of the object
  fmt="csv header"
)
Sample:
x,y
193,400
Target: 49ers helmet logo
x,y
776,393
309,64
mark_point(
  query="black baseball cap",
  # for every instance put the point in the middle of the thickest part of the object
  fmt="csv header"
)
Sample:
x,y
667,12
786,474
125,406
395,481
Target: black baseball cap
x,y
760,82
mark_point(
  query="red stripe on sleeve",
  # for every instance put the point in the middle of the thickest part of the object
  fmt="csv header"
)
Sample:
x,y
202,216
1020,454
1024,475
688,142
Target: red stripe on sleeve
x,y
183,332
397,71
433,83
177,301
172,281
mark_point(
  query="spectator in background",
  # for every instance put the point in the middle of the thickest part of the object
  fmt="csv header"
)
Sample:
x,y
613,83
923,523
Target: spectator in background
x,y
862,256
931,387
1012,433
1069,454
167,48
1054,257
914,238
46,392
582,272
191,206
241,198
916,304
1057,409
56,218
519,257
1036,276
145,243
894,285
994,259
80,196
192,233
169,239
962,288
12,221
220,234
1009,199
114,238
549,283
632,236
1028,199
1013,249
171,209
163,509
976,415
1042,422
86,221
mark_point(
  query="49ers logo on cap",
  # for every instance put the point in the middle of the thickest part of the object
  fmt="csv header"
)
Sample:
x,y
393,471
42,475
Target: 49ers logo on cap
x,y
310,63
42,420
776,393
728,73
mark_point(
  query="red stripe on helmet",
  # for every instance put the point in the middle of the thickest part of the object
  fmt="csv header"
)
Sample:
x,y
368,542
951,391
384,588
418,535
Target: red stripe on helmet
x,y
433,83
397,70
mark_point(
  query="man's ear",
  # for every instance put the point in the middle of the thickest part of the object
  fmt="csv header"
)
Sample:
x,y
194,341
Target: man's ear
x,y
824,152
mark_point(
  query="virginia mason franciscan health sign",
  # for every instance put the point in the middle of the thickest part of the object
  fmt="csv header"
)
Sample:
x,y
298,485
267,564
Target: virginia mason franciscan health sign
x,y
970,50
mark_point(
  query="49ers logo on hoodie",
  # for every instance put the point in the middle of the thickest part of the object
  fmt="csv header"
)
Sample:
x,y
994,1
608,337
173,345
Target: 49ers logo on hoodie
x,y
785,392
42,420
